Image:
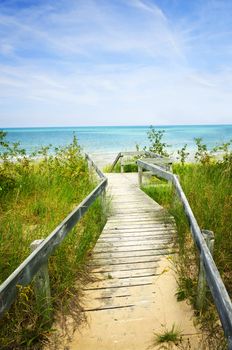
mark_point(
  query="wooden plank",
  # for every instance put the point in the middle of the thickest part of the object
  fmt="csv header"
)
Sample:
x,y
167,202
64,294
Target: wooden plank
x,y
142,272
132,244
131,153
124,261
133,241
130,282
145,290
140,230
123,300
133,255
145,251
127,267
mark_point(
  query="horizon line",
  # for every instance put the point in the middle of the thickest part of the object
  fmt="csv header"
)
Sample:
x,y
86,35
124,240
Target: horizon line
x,y
102,126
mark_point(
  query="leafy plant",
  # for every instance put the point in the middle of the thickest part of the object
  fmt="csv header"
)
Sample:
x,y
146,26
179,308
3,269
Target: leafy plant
x,y
226,151
202,154
157,145
183,154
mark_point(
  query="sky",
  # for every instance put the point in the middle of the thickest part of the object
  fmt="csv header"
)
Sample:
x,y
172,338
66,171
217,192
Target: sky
x,y
115,62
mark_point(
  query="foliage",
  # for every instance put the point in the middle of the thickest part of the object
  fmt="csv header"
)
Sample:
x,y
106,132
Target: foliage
x,y
137,147
107,168
183,154
207,185
37,192
202,154
225,148
157,145
162,194
128,168
169,336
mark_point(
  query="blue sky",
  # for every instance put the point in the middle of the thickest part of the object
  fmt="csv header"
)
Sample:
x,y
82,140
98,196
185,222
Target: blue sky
x,y
125,62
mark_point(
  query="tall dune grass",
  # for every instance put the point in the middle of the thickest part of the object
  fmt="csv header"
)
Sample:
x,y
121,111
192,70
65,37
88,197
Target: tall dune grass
x,y
209,192
35,196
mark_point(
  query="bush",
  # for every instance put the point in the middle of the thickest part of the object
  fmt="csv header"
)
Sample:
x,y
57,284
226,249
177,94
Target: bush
x,y
36,195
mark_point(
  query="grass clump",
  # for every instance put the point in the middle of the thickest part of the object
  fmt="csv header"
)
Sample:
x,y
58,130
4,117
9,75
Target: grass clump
x,y
108,168
168,336
161,193
127,168
36,194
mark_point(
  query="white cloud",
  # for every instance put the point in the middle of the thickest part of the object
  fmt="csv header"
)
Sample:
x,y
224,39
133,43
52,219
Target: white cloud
x,y
94,62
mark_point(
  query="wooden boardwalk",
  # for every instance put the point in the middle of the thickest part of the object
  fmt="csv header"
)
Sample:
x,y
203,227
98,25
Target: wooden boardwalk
x,y
133,295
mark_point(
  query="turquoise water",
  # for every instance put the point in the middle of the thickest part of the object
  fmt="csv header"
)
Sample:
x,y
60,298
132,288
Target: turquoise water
x,y
118,138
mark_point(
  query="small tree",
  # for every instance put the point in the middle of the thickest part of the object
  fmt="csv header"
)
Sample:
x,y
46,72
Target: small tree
x,y
156,142
202,154
183,154
225,149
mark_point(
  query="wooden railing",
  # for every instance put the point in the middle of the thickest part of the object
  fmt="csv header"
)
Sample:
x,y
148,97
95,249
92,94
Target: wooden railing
x,y
25,272
215,283
164,162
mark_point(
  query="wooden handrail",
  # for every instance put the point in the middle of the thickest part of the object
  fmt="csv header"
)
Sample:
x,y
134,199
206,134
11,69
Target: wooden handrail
x,y
138,153
30,266
115,161
215,283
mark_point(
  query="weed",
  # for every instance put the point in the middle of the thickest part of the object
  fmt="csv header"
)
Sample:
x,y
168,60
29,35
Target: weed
x,y
168,336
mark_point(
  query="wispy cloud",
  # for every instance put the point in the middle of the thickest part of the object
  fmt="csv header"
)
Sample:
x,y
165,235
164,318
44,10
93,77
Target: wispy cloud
x,y
125,61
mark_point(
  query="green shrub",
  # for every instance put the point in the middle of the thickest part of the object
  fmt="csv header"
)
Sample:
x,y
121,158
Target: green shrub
x,y
35,196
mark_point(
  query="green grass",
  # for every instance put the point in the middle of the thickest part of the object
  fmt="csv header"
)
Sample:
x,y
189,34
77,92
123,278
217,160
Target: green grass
x,y
128,168
35,196
162,194
209,191
208,188
107,168
168,336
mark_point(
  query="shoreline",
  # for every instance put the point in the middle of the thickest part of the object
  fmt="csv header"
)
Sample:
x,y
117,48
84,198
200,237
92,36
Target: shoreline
x,y
114,139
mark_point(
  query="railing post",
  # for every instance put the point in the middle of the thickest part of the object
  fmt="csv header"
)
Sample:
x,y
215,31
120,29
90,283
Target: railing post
x,y
42,288
90,167
202,284
121,165
103,201
140,175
